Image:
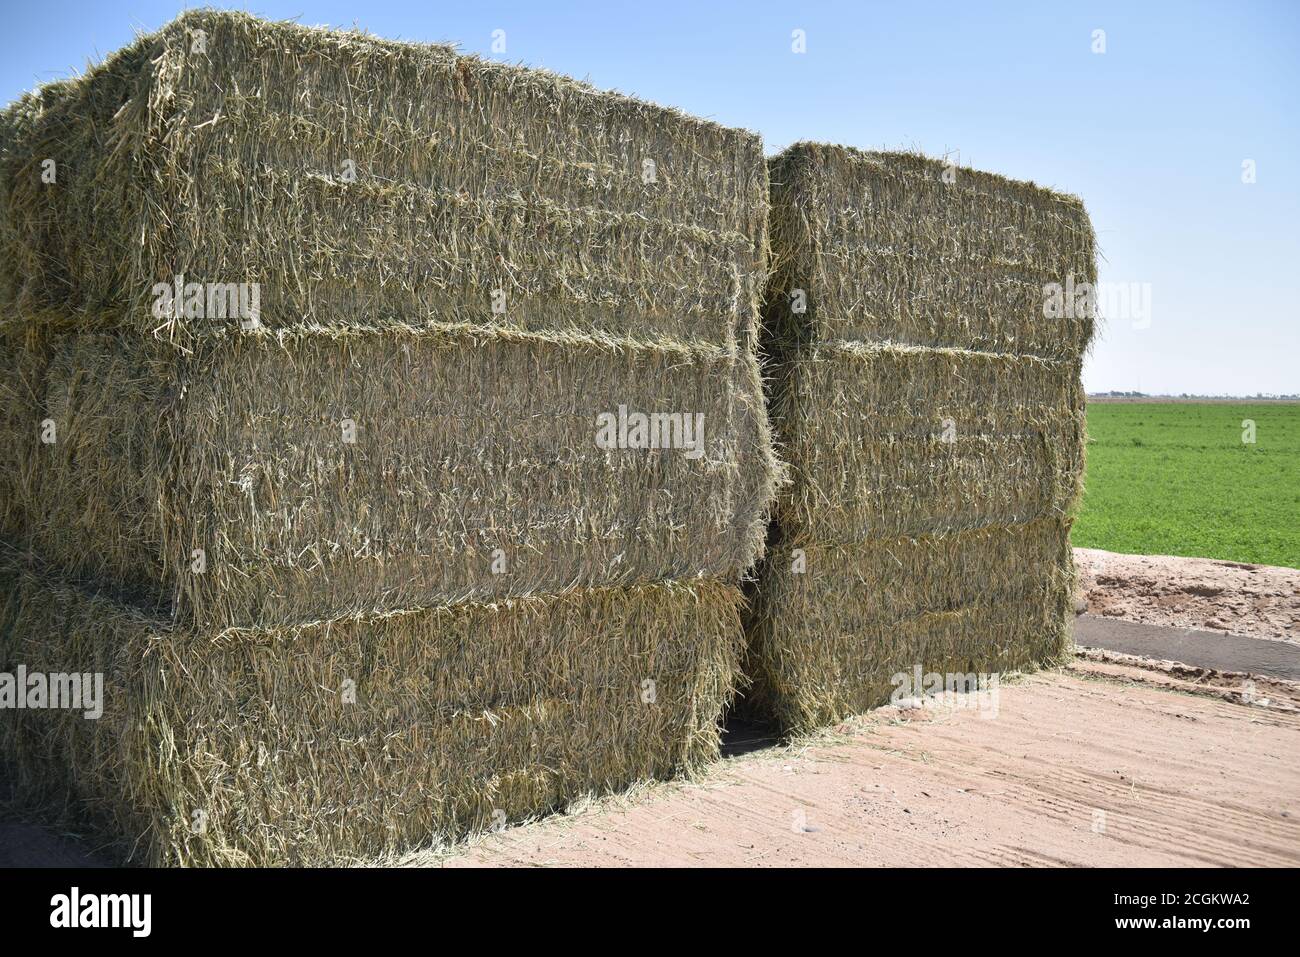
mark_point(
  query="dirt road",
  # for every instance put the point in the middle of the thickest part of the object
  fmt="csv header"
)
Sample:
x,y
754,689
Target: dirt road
x,y
1110,762
1205,649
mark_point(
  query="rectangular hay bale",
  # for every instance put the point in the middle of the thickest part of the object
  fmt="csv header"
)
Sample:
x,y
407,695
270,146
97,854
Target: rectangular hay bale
x,y
933,420
826,643
863,425
363,181
363,738
888,250
471,471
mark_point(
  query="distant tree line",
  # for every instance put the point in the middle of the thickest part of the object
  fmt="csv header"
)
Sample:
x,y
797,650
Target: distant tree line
x,y
1117,394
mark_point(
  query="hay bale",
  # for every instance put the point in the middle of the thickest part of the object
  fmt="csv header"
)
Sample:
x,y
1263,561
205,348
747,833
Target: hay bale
x,y
363,181
933,420
896,254
248,750
826,643
204,468
472,471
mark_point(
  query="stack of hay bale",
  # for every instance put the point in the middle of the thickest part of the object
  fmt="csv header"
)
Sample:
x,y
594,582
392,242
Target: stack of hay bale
x,y
933,419
347,550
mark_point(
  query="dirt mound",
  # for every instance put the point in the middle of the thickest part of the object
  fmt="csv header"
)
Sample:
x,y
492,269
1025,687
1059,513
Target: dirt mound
x,y
1261,601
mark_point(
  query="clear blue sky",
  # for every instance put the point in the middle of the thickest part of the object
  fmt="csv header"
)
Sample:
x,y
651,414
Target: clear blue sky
x,y
1152,133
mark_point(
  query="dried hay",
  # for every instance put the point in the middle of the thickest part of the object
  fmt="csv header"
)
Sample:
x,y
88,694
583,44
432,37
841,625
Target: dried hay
x,y
470,470
933,420
364,181
826,643
202,468
392,477
246,750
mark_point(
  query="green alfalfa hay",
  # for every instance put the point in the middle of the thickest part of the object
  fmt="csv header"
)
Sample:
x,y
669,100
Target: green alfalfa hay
x,y
933,422
246,750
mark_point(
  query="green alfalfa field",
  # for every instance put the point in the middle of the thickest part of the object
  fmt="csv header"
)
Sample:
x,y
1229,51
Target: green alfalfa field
x,y
1181,478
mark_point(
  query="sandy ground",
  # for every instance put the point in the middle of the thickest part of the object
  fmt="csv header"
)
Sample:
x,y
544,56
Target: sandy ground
x,y
1261,601
1113,761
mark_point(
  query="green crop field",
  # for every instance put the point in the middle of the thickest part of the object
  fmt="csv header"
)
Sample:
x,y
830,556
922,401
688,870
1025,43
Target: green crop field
x,y
1176,478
